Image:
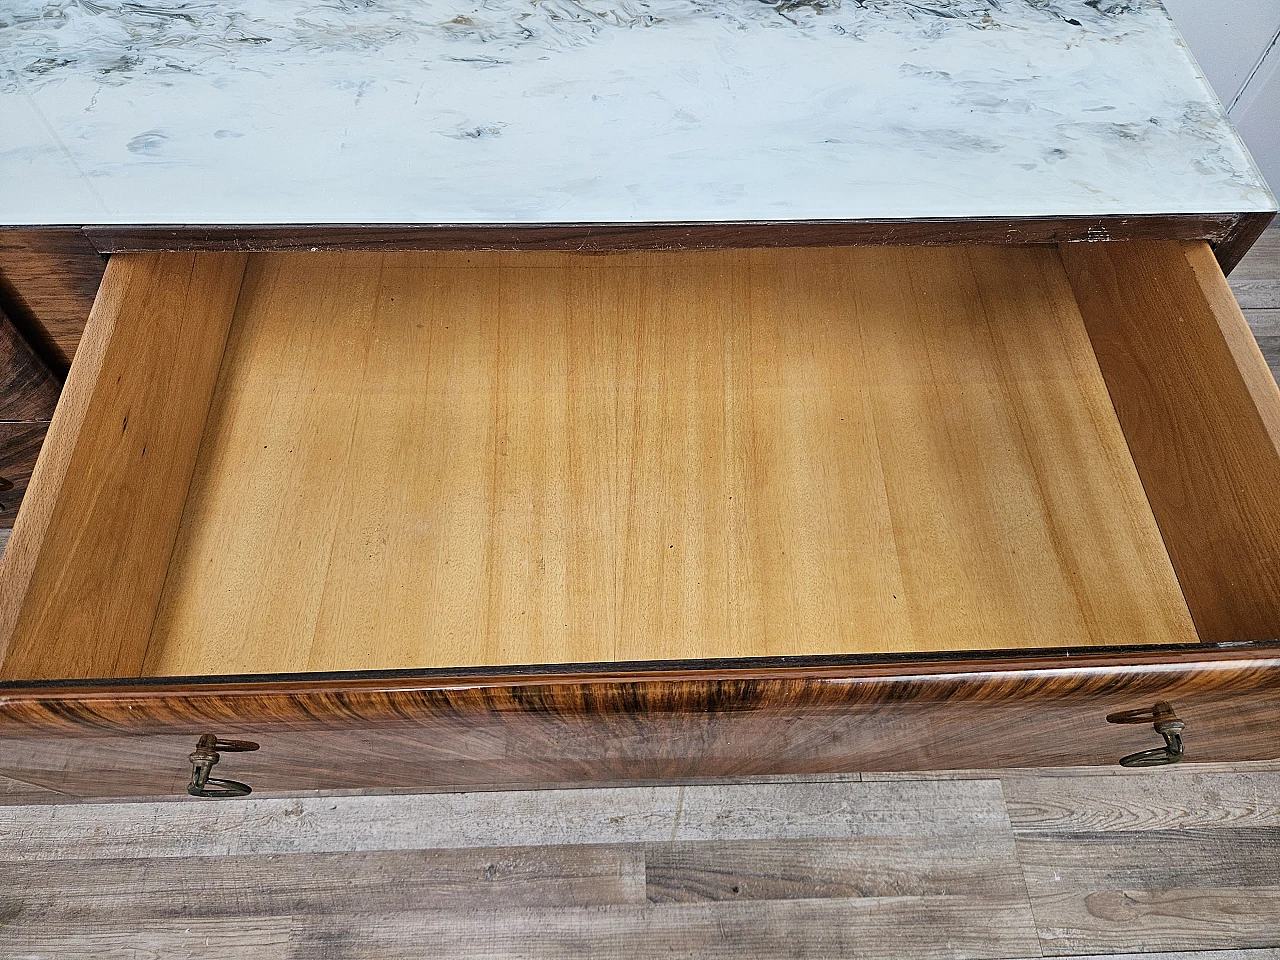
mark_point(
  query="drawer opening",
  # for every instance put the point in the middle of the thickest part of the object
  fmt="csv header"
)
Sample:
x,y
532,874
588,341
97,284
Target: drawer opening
x,y
291,462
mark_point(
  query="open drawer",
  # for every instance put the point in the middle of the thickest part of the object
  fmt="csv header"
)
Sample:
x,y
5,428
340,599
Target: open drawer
x,y
487,519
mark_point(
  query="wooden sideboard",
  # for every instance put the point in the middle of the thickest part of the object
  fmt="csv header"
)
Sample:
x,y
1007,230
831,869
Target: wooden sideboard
x,y
653,393
450,519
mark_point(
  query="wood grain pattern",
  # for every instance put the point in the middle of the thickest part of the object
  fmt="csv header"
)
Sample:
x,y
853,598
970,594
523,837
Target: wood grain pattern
x,y
1201,413
912,814
690,722
1256,281
925,927
1256,286
419,460
1264,322
20,445
280,937
1264,953
49,277
614,722
17,792
1165,890
264,938
81,575
979,864
1207,857
236,888
842,810
28,395
1127,919
28,390
1233,232
1194,767
1175,798
1270,347
276,826
1180,860
363,876
1239,239
1260,385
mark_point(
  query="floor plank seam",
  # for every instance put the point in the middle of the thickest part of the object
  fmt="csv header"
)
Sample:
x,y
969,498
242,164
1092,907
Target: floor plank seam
x,y
1022,873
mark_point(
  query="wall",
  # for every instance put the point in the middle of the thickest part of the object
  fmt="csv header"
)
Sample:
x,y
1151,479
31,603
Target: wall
x,y
1235,42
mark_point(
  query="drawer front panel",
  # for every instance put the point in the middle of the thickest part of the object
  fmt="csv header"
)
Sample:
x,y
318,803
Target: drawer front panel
x,y
495,733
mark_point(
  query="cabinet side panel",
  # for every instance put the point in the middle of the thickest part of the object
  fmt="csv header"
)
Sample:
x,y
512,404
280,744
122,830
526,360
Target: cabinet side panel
x,y
1201,414
28,389
49,277
1243,234
28,394
19,447
82,573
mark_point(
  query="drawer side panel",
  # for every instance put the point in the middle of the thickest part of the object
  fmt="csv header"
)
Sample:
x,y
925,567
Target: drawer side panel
x,y
1201,414
81,575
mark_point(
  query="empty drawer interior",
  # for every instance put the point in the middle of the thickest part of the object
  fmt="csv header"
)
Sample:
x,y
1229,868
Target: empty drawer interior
x,y
345,461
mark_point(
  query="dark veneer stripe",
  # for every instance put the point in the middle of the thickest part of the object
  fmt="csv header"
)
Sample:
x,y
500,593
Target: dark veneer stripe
x,y
337,701
1233,232
1230,250
1036,657
670,723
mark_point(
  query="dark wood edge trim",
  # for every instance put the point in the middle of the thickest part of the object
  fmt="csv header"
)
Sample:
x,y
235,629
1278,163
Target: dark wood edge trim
x,y
846,668
581,700
1230,250
1218,228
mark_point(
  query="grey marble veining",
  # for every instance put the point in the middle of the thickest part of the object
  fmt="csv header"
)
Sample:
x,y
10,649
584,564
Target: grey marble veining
x,y
434,111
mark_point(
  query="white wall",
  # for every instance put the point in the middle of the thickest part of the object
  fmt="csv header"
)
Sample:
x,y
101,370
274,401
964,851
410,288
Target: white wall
x,y
1236,43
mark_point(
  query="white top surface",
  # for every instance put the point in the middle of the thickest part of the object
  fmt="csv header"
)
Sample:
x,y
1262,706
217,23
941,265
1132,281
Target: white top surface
x,y
570,111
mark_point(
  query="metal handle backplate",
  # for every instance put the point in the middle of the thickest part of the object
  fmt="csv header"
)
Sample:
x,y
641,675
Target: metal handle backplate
x,y
1165,721
202,762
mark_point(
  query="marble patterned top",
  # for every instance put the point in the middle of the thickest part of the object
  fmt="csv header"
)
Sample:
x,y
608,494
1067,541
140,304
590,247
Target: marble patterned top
x,y
572,111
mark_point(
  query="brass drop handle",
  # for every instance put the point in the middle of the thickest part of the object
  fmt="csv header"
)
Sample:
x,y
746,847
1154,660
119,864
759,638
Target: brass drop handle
x,y
202,761
1166,723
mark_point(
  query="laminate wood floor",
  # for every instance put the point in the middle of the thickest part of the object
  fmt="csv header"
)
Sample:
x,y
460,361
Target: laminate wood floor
x,y
1167,864
1179,863
1256,282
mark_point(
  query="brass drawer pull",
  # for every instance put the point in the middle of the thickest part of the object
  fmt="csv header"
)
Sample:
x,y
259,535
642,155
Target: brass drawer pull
x,y
1166,723
202,761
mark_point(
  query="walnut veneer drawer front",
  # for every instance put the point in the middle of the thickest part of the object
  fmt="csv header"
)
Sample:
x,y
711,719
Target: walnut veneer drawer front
x,y
483,519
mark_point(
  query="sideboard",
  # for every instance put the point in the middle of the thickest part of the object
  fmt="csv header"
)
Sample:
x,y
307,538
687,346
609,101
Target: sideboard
x,y
558,393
